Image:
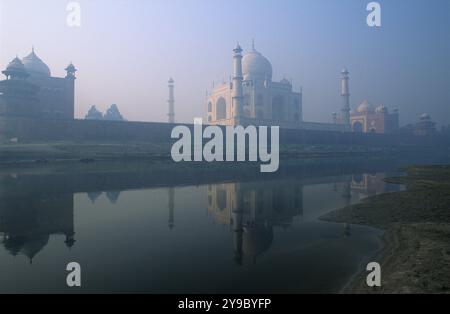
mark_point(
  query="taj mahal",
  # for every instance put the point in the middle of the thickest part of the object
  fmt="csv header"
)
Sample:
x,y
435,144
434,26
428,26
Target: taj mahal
x,y
252,97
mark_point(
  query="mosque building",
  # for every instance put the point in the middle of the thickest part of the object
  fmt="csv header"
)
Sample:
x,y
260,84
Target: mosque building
x,y
367,118
424,127
30,91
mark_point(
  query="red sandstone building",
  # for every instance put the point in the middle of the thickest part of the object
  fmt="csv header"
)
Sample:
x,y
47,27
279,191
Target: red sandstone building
x,y
30,91
367,118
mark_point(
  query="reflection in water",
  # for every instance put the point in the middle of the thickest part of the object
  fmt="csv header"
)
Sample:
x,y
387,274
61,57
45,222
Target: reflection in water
x,y
171,208
27,223
254,212
365,185
93,196
113,196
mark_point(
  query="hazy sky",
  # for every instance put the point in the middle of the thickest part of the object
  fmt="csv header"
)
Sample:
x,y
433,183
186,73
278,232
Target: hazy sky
x,y
125,51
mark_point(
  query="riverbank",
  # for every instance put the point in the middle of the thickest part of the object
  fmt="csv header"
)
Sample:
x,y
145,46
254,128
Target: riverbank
x,y
94,151
416,254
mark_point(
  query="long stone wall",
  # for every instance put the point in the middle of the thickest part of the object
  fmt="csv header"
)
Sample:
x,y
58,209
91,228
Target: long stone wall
x,y
27,130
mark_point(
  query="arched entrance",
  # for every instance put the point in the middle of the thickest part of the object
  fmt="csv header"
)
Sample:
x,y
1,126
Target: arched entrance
x,y
357,127
221,109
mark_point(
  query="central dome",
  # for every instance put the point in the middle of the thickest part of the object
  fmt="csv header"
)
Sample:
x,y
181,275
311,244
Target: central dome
x,y
365,107
35,66
256,67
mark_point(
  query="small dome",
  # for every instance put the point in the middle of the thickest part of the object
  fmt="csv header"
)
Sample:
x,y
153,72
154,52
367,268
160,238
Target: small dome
x,y
425,116
35,66
285,81
365,107
381,109
16,69
71,68
256,67
16,65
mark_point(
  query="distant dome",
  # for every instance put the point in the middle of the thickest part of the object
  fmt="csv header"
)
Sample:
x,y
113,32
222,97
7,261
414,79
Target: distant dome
x,y
71,68
113,114
425,116
16,65
381,108
15,69
365,107
35,66
256,67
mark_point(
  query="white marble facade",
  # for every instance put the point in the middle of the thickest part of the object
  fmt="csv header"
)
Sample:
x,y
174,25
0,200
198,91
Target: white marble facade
x,y
264,101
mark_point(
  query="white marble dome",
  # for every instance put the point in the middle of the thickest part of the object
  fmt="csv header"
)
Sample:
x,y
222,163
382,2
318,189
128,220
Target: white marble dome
x,y
365,107
256,67
35,66
425,116
382,109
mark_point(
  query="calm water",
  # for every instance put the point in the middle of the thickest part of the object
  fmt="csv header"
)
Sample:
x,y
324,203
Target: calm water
x,y
236,237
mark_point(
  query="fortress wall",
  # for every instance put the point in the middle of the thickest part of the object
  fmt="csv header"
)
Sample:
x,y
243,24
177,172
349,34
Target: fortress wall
x,y
28,129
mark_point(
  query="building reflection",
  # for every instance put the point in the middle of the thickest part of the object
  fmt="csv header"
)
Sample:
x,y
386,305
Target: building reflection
x,y
26,223
366,185
113,196
94,196
31,212
171,206
253,210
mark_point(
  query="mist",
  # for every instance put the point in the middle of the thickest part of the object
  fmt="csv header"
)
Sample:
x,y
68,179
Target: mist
x,y
125,51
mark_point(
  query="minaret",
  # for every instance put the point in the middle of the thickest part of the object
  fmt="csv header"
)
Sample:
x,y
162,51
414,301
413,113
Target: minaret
x,y
70,71
238,226
238,98
345,94
70,81
171,102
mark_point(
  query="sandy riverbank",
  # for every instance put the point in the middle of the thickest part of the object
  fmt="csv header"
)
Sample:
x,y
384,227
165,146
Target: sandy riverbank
x,y
416,255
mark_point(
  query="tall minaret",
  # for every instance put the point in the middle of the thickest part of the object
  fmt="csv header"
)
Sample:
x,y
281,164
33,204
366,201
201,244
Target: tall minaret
x,y
238,225
238,96
70,81
345,94
171,102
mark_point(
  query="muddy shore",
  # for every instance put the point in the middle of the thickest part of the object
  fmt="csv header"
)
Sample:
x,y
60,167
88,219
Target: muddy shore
x,y
416,253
